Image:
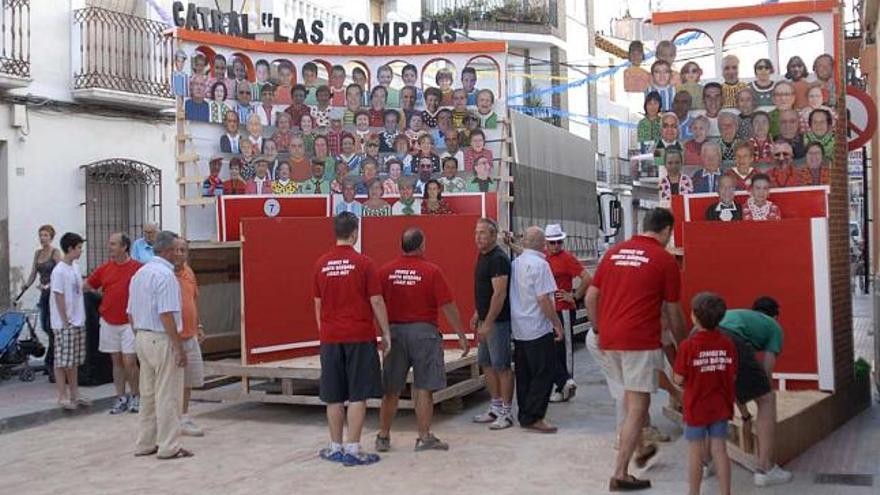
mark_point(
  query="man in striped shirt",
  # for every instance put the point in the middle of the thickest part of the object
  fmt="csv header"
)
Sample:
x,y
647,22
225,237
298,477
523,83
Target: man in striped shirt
x,y
154,313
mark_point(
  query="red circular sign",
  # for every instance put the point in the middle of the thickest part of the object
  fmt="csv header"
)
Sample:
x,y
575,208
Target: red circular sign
x,y
861,117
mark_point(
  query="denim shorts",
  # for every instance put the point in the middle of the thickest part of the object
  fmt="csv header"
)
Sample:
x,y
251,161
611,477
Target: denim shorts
x,y
494,350
714,430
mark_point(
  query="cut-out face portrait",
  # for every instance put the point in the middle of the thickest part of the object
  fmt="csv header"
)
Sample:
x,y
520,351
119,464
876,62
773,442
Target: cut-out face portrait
x,y
239,71
669,128
230,122
796,69
385,75
485,101
666,50
823,66
262,71
254,126
468,80
310,74
219,67
636,53
730,69
179,60
410,75
764,71
783,96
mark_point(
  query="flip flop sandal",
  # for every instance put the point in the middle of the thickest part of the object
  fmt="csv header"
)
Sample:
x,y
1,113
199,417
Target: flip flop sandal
x,y
180,454
643,458
147,452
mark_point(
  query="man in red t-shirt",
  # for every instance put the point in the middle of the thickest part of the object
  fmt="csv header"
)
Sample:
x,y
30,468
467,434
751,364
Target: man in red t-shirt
x,y
706,365
117,337
635,282
348,297
415,289
566,268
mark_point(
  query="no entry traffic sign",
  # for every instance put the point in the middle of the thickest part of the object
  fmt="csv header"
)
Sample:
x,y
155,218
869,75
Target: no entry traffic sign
x,y
861,117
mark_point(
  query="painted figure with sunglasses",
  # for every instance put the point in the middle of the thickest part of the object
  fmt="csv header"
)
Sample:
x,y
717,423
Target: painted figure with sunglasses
x,y
783,174
669,133
763,84
244,108
690,83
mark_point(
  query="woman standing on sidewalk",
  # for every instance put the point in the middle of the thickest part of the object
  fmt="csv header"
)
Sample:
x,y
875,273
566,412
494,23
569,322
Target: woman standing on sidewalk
x,y
45,260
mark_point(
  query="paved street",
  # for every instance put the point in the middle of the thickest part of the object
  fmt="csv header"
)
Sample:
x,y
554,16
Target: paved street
x,y
272,448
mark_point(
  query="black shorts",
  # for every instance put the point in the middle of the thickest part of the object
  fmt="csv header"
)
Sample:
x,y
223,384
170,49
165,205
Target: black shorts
x,y
751,378
350,372
418,346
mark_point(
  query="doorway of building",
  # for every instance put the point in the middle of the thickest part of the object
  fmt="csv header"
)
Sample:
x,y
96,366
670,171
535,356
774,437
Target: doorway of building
x,y
121,196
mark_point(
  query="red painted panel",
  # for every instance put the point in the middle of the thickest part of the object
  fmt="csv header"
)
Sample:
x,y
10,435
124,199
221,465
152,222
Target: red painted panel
x,y
793,203
744,260
449,242
276,282
232,209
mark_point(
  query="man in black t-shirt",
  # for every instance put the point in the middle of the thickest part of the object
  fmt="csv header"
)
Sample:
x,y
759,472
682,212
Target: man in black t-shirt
x,y
491,320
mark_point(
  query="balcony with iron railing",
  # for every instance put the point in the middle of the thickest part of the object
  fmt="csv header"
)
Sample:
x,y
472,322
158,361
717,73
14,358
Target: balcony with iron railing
x,y
602,169
15,43
121,60
508,16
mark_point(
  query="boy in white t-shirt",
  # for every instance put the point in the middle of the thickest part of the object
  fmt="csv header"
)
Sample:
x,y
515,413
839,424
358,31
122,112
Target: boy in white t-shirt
x,y
68,317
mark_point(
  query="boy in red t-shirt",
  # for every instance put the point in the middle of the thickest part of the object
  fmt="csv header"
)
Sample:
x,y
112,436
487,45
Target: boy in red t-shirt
x,y
706,366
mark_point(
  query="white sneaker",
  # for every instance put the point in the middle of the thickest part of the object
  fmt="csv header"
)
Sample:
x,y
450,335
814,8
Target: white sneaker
x,y
503,421
189,428
486,417
556,397
775,476
569,389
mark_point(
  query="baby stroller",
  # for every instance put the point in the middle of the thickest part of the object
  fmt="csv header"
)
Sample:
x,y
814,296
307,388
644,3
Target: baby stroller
x,y
15,353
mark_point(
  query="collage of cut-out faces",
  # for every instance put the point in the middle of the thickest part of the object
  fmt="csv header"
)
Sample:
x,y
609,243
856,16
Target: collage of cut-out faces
x,y
777,125
282,126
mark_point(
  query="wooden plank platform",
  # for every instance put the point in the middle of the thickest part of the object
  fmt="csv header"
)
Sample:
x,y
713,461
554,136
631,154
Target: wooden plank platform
x,y
803,418
295,381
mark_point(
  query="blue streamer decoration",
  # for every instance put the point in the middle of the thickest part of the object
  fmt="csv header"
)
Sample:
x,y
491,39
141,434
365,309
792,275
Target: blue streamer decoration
x,y
593,77
545,112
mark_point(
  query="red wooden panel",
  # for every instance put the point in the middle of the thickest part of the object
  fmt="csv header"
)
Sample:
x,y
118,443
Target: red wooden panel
x,y
792,203
232,209
449,242
744,260
802,202
278,257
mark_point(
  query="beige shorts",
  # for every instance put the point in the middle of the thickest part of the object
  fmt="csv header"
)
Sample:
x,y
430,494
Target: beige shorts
x,y
116,338
194,374
636,370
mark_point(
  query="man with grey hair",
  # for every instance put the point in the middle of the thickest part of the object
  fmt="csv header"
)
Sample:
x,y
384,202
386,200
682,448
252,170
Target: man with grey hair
x,y
416,292
706,179
142,249
535,324
155,315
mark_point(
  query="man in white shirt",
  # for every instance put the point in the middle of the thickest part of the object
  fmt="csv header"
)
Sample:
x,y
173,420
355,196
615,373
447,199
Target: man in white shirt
x,y
535,325
68,318
154,312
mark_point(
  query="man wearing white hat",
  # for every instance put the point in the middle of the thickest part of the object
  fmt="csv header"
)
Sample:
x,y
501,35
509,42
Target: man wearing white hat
x,y
566,268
